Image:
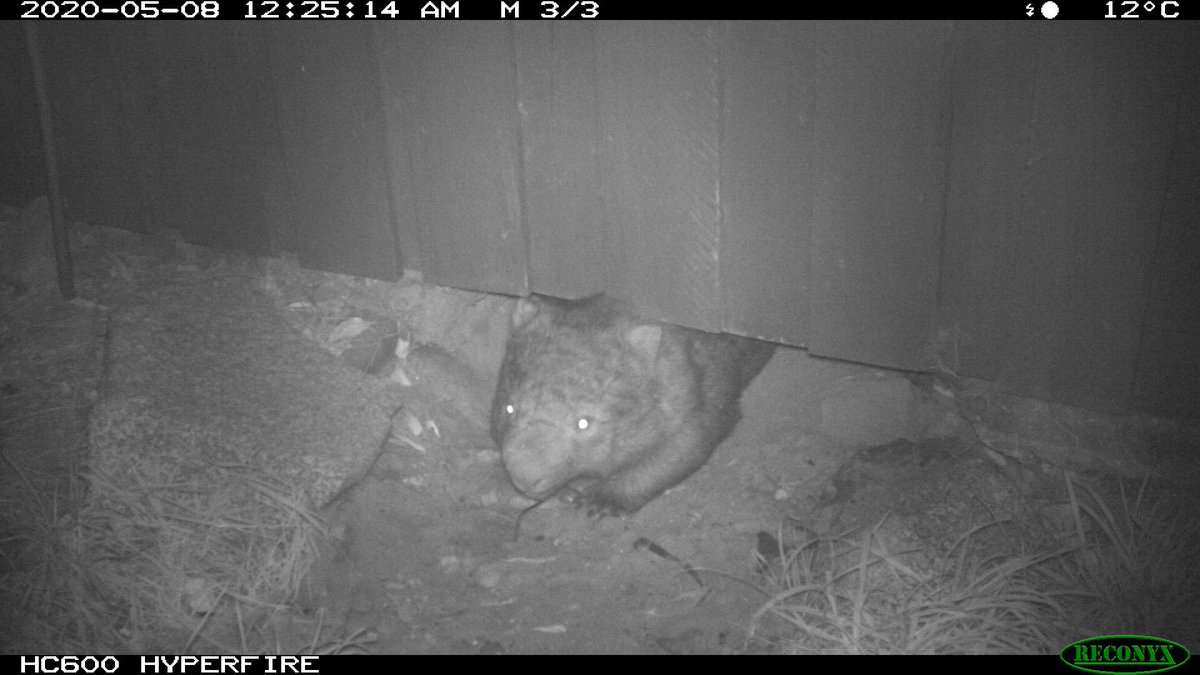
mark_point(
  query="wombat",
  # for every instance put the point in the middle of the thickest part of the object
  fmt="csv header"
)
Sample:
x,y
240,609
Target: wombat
x,y
616,408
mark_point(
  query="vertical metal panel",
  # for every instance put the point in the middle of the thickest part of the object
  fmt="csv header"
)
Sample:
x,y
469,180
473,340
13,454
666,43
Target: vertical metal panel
x,y
1167,381
767,179
881,130
396,58
156,129
23,173
456,87
207,125
335,143
98,84
1052,305
557,102
984,275
1098,163
659,120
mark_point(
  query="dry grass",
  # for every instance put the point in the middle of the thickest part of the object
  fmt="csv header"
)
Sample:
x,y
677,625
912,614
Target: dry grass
x,y
158,562
1136,558
852,596
1123,567
154,560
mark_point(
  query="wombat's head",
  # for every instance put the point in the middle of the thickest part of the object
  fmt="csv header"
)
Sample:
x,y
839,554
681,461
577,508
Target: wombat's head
x,y
575,396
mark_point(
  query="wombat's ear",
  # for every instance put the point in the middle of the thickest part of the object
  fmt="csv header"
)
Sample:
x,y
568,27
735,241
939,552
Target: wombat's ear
x,y
523,313
644,340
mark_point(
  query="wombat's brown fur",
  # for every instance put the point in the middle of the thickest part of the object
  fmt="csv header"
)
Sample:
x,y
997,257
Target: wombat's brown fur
x,y
616,407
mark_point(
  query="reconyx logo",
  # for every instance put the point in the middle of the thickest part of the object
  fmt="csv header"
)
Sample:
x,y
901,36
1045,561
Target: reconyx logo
x,y
1123,654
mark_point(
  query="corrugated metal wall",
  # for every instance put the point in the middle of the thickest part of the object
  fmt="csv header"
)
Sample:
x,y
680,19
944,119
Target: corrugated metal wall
x,y
330,200
163,125
23,173
882,126
1020,196
1065,143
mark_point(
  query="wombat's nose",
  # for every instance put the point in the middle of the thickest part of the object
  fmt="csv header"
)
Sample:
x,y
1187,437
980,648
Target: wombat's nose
x,y
537,489
527,482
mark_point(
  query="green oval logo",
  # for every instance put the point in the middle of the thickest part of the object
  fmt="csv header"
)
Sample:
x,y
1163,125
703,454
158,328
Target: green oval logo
x,y
1121,654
